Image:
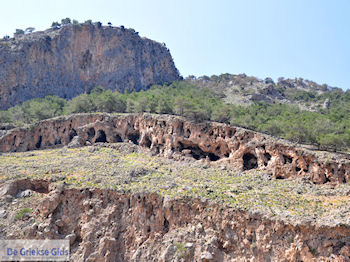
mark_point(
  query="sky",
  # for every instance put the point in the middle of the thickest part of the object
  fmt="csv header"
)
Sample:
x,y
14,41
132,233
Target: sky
x,y
263,38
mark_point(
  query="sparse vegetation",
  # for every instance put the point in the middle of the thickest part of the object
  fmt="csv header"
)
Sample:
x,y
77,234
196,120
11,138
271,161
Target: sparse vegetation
x,y
115,168
23,213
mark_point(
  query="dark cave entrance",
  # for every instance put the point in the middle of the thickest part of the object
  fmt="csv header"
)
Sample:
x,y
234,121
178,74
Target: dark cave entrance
x,y
198,153
134,138
213,157
91,133
72,134
118,139
38,144
249,161
267,158
101,137
148,142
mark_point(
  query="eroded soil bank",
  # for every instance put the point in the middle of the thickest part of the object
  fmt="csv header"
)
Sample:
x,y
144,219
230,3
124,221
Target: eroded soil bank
x,y
106,225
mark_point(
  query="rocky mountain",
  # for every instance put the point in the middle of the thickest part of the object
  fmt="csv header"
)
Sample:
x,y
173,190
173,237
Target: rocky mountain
x,y
73,59
243,89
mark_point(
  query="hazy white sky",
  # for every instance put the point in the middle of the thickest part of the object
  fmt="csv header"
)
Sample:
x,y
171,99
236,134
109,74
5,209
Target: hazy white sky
x,y
289,38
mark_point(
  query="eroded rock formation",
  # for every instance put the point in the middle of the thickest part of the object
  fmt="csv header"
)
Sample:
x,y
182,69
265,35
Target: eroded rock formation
x,y
170,136
105,225
75,58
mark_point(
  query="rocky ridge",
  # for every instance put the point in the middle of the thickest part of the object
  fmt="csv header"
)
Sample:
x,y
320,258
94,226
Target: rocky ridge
x,y
245,90
170,135
73,59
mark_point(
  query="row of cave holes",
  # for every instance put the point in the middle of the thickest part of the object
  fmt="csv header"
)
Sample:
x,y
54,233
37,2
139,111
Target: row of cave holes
x,y
196,152
250,161
102,138
187,134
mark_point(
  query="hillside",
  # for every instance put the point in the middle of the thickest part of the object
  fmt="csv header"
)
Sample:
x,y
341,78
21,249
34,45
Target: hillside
x,y
149,187
72,59
245,90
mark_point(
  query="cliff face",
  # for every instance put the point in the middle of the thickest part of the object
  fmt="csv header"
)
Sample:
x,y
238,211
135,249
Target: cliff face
x,y
104,225
75,58
170,136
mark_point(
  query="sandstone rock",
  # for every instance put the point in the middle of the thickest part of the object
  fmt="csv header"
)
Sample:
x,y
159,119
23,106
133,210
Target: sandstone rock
x,y
168,253
75,142
207,257
76,58
217,143
9,188
25,193
49,204
3,213
71,238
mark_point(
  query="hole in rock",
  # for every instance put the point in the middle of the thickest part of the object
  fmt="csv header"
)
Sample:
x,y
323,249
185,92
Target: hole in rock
x,y
134,138
267,157
249,161
118,139
188,133
148,142
297,168
327,179
279,177
38,144
287,159
166,225
91,133
72,133
198,153
230,133
101,137
213,157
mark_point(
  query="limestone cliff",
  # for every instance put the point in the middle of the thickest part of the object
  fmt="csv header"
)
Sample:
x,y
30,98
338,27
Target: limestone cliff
x,y
75,58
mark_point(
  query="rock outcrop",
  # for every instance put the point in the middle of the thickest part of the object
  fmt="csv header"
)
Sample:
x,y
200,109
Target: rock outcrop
x,y
105,225
170,136
75,58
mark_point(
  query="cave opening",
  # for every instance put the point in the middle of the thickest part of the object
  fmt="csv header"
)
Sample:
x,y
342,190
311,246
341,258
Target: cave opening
x,y
38,144
148,142
118,138
134,138
91,133
197,153
166,225
287,159
213,157
249,161
72,133
101,137
267,158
